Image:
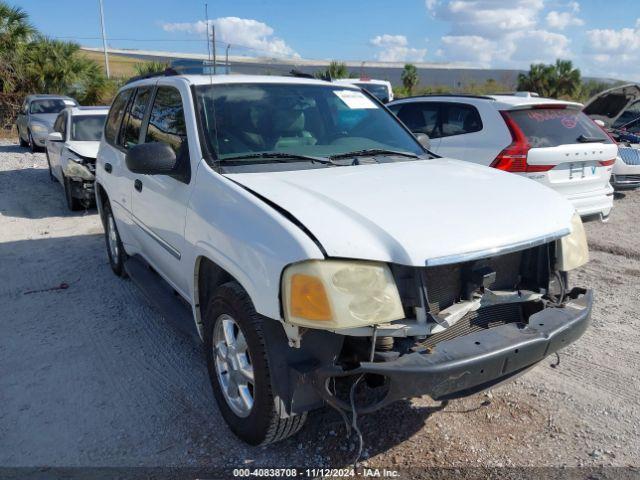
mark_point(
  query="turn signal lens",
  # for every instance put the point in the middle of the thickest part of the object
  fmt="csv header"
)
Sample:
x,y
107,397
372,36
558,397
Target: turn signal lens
x,y
338,294
572,251
309,298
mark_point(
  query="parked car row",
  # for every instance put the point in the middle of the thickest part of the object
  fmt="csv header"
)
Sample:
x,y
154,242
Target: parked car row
x,y
319,246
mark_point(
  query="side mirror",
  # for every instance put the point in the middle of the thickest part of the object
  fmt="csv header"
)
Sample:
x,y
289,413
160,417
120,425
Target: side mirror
x,y
55,137
154,158
424,140
600,123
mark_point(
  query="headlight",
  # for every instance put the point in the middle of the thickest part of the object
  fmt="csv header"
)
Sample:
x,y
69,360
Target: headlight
x,y
74,168
39,128
572,250
334,294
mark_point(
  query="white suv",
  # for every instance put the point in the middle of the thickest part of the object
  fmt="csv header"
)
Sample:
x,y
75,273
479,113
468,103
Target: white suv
x,y
547,140
320,247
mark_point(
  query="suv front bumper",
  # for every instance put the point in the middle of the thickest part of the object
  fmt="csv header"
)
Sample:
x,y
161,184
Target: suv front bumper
x,y
471,363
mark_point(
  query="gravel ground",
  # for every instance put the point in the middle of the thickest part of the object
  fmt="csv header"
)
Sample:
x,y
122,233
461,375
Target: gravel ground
x,y
92,375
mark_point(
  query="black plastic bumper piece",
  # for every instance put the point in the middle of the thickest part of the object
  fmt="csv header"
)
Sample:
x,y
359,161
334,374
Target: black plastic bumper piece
x,y
471,363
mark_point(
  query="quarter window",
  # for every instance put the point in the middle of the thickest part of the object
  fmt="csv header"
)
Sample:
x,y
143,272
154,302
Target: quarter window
x,y
166,122
116,112
130,133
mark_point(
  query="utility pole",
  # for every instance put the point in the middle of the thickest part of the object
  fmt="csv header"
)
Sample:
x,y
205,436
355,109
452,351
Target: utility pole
x,y
227,58
104,41
213,45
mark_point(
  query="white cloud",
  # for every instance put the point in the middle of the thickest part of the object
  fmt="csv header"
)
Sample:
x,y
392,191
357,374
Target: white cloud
x,y
487,18
471,49
240,32
395,48
614,53
562,20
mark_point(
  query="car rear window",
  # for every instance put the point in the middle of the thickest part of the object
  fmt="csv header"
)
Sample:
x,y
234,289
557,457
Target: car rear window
x,y
550,127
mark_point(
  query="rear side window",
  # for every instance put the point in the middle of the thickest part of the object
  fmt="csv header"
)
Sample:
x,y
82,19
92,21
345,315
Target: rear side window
x,y
132,122
550,127
458,119
419,117
166,123
116,113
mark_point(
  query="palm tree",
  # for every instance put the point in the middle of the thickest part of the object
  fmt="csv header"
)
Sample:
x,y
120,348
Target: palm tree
x,y
15,30
145,68
539,79
409,78
334,70
567,79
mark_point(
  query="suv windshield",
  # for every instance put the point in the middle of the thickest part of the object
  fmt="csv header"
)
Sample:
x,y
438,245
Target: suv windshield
x,y
550,127
47,106
87,128
311,120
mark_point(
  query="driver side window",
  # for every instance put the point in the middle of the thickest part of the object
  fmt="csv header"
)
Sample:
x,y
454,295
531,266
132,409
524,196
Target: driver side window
x,y
166,122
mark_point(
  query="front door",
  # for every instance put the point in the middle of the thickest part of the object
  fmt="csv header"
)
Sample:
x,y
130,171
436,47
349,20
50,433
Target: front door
x,y
160,201
54,149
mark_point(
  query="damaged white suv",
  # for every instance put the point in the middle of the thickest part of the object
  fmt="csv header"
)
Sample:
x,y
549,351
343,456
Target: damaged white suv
x,y
320,246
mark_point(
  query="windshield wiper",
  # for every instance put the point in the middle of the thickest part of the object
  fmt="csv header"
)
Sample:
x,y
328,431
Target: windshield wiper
x,y
373,151
584,139
279,156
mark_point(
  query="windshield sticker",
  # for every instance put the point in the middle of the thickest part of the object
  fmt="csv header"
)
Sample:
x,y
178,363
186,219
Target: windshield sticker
x,y
354,99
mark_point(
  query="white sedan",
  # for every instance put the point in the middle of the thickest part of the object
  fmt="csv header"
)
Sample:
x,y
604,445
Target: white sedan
x,y
71,150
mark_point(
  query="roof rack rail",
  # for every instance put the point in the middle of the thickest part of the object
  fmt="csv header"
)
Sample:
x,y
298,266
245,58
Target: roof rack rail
x,y
297,73
167,72
465,95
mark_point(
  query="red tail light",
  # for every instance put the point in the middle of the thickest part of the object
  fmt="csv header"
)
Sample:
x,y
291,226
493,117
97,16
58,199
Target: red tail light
x,y
514,157
607,163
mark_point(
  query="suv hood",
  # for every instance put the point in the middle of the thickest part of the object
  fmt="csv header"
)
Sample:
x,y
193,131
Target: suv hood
x,y
84,149
610,104
417,212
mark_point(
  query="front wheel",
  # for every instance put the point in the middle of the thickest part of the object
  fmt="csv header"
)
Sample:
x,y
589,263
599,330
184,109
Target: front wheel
x,y
115,250
22,143
239,369
73,203
51,176
33,148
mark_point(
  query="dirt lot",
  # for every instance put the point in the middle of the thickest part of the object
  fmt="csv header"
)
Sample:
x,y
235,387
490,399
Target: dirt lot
x,y
92,376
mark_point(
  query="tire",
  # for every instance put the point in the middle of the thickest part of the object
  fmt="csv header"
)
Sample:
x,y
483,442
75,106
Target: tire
x,y
32,145
73,203
261,423
51,177
115,250
21,142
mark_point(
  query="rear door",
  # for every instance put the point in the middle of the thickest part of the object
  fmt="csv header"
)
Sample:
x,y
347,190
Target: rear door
x,y
420,117
569,151
464,135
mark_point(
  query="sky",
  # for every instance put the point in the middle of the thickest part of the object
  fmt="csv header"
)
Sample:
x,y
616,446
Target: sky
x,y
601,37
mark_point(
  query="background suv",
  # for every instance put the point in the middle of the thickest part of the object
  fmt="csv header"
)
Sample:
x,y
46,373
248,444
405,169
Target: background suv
x,y
547,140
36,117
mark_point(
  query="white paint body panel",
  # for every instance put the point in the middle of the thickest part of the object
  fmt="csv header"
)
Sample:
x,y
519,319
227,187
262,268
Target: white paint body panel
x,y
412,212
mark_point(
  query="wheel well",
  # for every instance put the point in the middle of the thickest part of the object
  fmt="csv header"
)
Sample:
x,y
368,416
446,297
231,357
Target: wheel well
x,y
209,276
102,196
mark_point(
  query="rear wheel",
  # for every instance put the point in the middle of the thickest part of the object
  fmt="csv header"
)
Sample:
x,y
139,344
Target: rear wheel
x,y
73,203
239,369
115,250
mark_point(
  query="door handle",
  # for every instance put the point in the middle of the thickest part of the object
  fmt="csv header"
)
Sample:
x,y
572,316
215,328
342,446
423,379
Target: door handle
x,y
108,167
138,185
